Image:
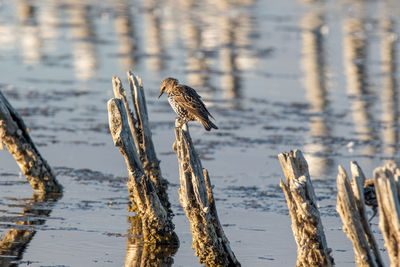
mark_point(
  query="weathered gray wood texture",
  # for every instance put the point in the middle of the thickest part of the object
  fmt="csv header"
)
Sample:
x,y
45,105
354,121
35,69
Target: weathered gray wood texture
x,y
358,183
196,197
348,208
141,133
14,135
312,249
387,193
157,225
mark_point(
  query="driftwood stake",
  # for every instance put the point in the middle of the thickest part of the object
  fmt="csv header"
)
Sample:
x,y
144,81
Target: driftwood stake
x,y
352,226
157,226
140,129
358,191
196,197
387,193
312,249
14,134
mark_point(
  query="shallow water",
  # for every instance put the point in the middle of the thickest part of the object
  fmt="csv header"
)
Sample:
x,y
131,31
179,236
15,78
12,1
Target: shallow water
x,y
276,75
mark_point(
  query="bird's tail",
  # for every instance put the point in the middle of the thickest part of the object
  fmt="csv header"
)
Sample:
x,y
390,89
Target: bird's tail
x,y
208,124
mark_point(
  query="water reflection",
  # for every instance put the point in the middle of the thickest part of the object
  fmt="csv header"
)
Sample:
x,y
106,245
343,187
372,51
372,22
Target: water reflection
x,y
230,78
314,67
153,34
198,65
390,106
126,33
29,35
236,47
84,39
355,43
15,241
48,23
139,253
216,37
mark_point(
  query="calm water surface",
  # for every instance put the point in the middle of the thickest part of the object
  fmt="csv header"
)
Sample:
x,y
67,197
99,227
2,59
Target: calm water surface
x,y
277,75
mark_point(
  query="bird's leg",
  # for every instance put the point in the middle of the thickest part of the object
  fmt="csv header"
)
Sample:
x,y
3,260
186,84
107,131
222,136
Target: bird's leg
x,y
185,125
182,122
375,210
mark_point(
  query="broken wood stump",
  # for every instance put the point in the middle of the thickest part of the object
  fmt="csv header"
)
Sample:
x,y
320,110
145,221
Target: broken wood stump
x,y
387,193
312,249
358,186
196,197
350,206
14,135
157,225
140,130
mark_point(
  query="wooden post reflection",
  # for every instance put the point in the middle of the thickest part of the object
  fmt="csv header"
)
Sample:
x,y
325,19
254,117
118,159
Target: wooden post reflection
x,y
14,242
49,20
124,27
355,61
230,79
83,34
390,107
234,41
198,64
29,35
153,35
139,253
314,67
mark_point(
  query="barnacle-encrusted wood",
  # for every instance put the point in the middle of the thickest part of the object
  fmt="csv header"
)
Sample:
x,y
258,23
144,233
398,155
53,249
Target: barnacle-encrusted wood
x,y
140,129
14,135
312,249
387,179
157,225
196,197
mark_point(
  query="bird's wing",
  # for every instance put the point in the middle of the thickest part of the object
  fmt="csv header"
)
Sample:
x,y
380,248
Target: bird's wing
x,y
188,99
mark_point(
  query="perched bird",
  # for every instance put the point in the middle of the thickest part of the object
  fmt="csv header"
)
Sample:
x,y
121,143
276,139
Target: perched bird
x,y
185,101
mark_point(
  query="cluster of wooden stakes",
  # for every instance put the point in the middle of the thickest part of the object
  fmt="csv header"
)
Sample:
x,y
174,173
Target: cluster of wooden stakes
x,y
148,194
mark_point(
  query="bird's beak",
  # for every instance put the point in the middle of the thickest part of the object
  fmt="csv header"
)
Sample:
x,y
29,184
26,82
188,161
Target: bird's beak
x,y
160,94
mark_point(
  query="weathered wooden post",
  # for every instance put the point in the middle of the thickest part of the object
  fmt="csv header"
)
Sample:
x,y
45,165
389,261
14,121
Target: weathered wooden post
x,y
14,134
350,208
196,197
140,130
157,225
358,187
387,192
312,249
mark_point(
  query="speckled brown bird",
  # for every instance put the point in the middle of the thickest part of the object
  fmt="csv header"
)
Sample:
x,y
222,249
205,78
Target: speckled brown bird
x,y
186,103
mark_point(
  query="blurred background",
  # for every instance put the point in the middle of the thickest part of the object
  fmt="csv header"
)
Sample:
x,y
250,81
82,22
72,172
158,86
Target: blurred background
x,y
320,76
